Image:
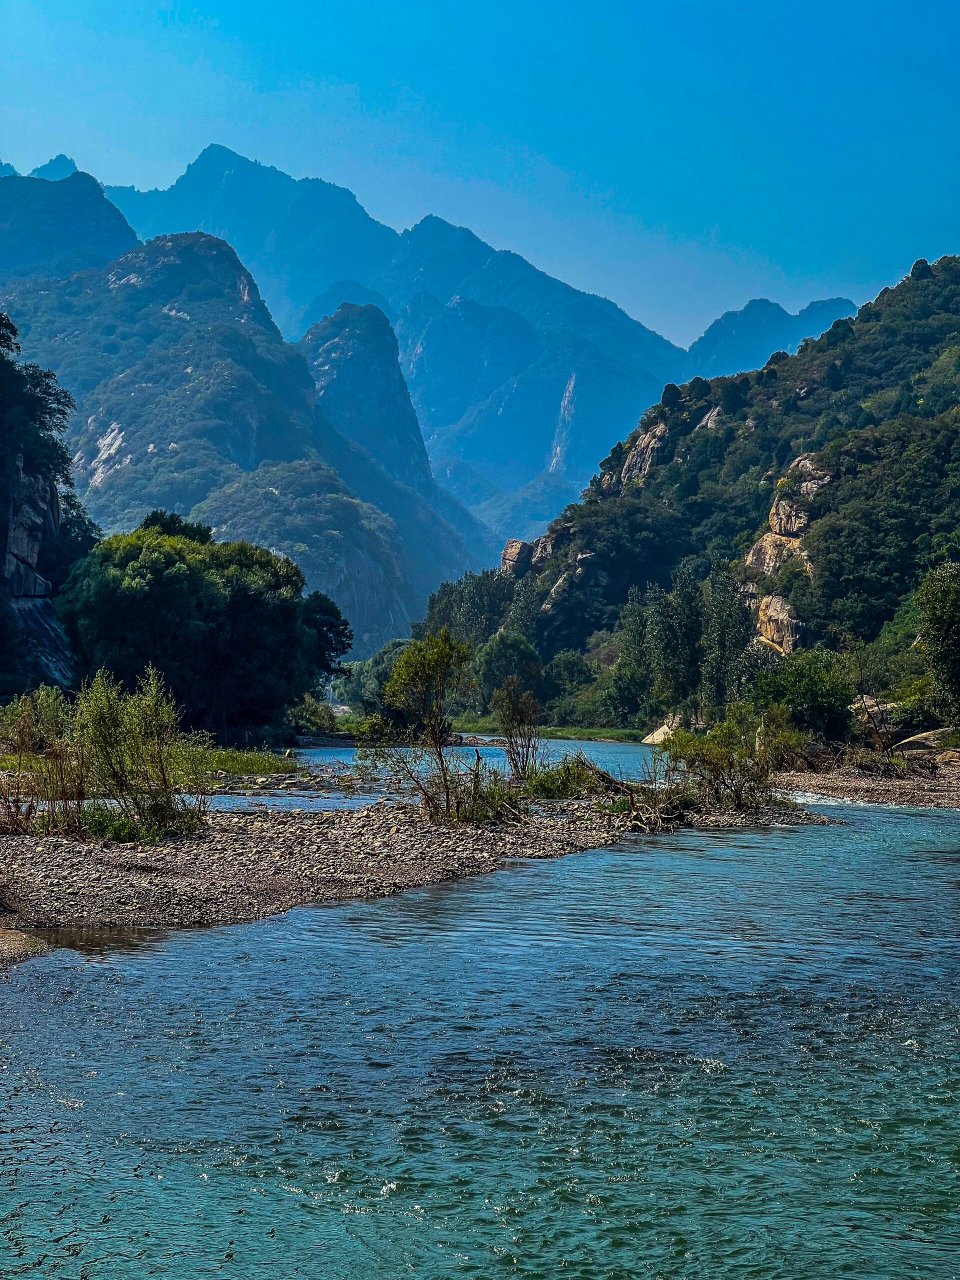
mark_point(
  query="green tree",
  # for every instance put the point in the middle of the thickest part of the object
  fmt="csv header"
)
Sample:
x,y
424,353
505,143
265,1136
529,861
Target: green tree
x,y
674,639
427,679
471,609
504,655
816,688
938,606
225,624
518,719
727,630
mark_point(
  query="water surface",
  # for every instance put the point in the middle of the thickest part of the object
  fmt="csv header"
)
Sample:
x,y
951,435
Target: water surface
x,y
691,1056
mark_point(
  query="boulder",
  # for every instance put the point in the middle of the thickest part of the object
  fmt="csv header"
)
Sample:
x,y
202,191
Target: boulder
x,y
772,551
777,624
516,557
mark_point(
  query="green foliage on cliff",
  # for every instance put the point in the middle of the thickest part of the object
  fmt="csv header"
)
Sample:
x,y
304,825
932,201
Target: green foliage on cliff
x,y
226,624
875,401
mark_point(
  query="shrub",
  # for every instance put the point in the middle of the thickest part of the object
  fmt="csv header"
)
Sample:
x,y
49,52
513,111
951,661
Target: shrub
x,y
106,762
730,766
815,687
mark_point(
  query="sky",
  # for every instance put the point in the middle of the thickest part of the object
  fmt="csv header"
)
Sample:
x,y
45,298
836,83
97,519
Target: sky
x,y
678,156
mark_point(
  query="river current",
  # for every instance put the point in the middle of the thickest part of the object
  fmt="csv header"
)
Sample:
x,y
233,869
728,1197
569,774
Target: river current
x,y
697,1055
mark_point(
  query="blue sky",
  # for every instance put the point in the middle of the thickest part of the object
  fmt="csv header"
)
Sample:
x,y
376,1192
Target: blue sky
x,y
679,156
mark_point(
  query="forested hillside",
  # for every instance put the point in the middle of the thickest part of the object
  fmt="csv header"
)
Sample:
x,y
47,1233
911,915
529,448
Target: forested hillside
x,y
189,400
848,452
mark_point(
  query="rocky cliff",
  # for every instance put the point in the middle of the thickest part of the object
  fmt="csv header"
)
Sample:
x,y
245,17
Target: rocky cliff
x,y
29,522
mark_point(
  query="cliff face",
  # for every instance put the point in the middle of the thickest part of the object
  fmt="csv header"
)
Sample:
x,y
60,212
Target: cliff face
x,y
29,521
354,361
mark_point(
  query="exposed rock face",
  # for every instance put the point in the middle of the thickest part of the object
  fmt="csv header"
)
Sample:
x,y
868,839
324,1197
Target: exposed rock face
x,y
354,359
644,454
813,474
33,515
777,624
787,518
772,551
30,519
516,558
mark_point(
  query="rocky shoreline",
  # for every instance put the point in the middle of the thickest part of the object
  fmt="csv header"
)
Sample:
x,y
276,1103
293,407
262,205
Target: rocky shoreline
x,y
937,789
249,864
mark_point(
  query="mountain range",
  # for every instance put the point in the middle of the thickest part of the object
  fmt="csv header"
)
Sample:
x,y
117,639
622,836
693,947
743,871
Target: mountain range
x,y
520,381
423,372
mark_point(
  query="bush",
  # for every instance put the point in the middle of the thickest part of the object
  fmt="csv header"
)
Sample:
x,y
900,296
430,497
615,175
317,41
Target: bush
x,y
730,766
815,687
107,762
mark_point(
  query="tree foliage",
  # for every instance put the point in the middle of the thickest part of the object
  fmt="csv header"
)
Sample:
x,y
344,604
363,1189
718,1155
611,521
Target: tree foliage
x,y
226,624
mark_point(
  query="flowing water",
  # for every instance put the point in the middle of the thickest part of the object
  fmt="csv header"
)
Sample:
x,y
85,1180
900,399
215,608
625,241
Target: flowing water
x,y
691,1056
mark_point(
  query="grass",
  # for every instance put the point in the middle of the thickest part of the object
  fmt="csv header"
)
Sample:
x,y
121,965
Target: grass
x,y
245,763
470,723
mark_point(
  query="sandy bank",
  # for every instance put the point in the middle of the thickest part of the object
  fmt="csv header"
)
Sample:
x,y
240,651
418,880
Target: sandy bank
x,y
15,947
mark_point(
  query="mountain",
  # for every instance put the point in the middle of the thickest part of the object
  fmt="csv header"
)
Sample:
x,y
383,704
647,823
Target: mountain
x,y
298,237
832,476
52,228
745,339
7,170
519,380
55,170
189,399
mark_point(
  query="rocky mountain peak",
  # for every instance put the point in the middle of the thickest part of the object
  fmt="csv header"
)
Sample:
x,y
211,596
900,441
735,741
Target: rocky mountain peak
x,y
55,170
188,274
355,362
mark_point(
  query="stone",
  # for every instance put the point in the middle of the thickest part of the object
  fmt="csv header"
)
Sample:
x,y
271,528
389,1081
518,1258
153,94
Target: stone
x,y
516,557
777,624
643,454
772,551
787,518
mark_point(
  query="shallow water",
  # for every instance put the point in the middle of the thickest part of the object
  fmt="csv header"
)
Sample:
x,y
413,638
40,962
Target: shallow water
x,y
622,759
696,1056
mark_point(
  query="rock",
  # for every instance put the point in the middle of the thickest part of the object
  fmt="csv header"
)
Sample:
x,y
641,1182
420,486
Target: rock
x,y
659,735
644,454
787,518
517,557
772,551
814,476
710,420
33,515
929,741
777,624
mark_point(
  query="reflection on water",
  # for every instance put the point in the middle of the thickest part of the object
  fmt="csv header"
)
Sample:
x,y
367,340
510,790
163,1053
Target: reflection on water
x,y
695,1056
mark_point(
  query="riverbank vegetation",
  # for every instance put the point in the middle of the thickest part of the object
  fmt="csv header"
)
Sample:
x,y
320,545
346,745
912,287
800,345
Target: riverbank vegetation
x,y
105,763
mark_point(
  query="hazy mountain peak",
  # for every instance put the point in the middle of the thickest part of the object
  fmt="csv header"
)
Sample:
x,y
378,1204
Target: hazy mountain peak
x,y
50,228
745,339
54,170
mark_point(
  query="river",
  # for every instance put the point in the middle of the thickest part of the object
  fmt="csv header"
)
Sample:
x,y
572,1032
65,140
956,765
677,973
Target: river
x,y
691,1056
